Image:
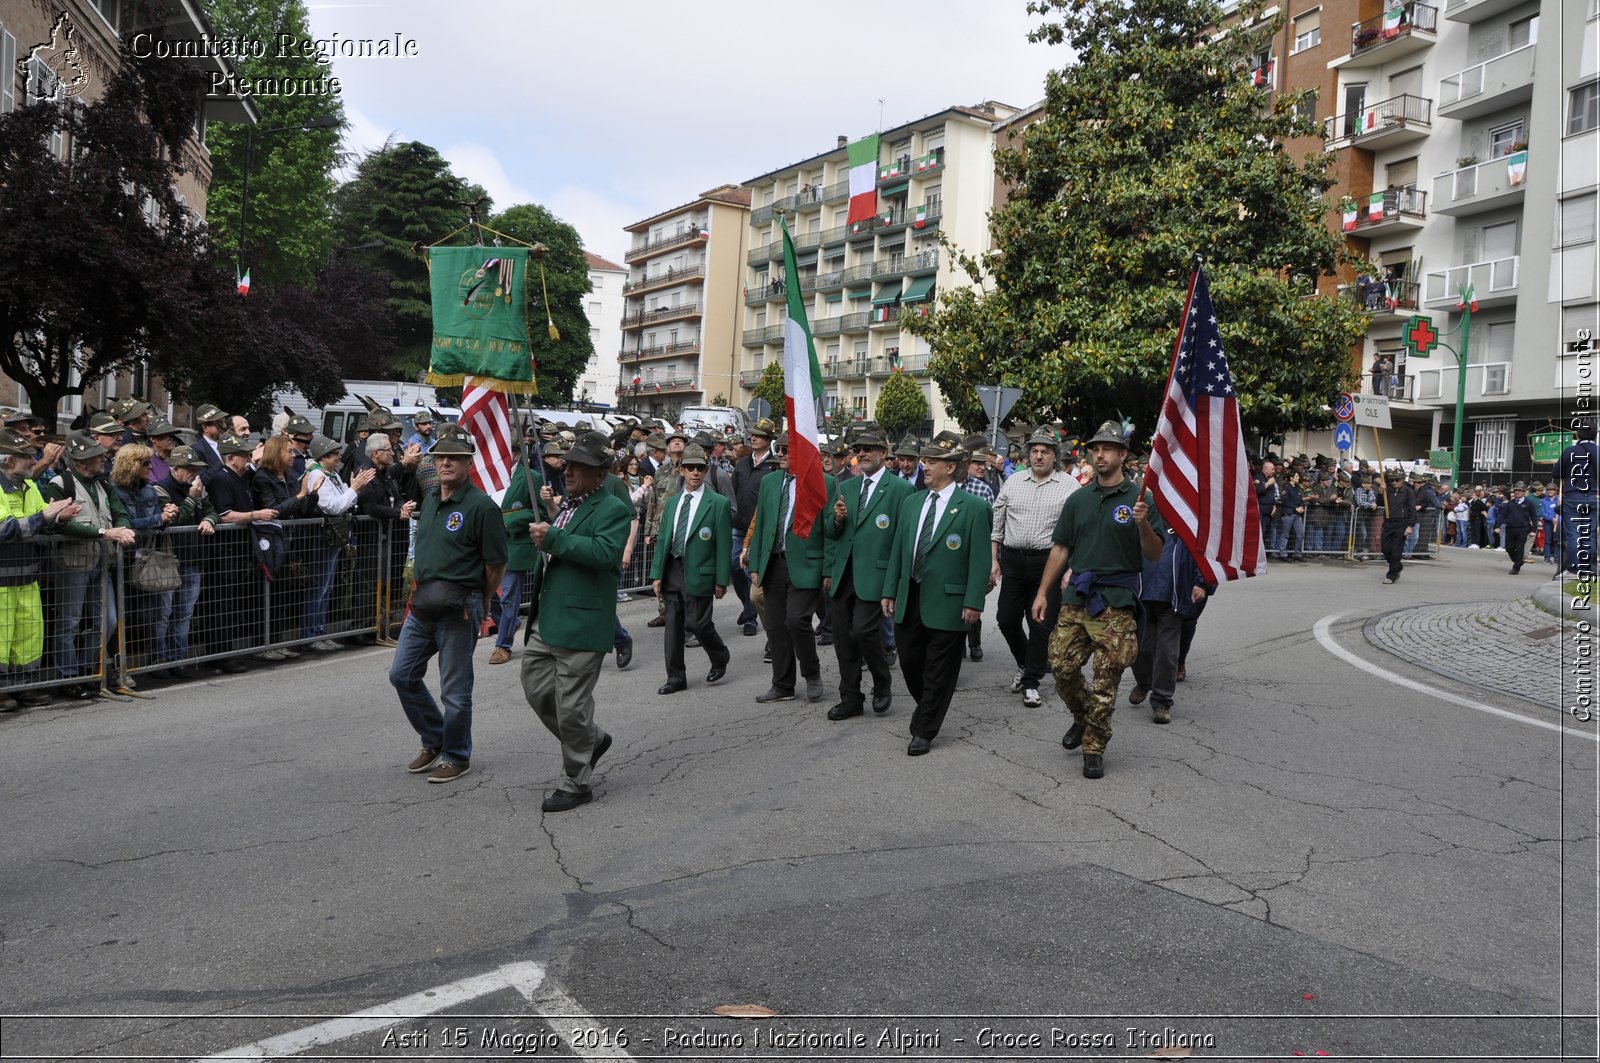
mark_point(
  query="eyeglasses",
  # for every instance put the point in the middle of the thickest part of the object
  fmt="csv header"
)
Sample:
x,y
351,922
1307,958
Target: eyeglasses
x,y
145,462
780,451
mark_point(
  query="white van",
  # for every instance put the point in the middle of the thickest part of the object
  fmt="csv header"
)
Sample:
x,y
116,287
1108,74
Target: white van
x,y
723,420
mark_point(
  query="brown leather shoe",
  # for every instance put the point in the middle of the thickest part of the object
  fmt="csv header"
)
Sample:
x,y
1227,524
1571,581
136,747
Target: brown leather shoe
x,y
448,771
423,761
659,621
500,655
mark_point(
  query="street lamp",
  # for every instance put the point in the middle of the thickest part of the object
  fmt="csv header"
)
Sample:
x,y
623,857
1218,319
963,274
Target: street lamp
x,y
326,121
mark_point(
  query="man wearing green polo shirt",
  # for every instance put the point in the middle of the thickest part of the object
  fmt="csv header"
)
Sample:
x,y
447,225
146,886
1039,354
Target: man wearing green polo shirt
x,y
1106,532
460,558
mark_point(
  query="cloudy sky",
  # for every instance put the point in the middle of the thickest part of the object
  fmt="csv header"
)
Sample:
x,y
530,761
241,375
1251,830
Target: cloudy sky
x,y
609,112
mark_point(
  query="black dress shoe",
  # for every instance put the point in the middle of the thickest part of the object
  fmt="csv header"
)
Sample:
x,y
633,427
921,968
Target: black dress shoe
x,y
1074,737
825,640
890,655
976,653
774,695
672,686
624,653
566,800
717,672
749,629
918,746
881,704
1093,766
599,751
842,711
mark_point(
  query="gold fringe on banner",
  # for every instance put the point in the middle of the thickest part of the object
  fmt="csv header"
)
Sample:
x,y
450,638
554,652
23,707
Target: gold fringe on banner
x,y
507,387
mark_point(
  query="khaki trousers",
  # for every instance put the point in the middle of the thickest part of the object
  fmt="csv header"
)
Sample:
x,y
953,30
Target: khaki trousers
x,y
559,685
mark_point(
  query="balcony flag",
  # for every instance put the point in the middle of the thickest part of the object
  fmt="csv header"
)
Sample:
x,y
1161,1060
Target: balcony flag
x,y
1516,169
1375,207
922,216
802,387
863,159
1391,21
480,319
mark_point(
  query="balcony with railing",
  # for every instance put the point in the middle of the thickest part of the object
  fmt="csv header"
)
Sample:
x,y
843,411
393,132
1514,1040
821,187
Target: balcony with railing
x,y
1482,186
766,253
660,314
805,241
1387,123
1483,379
1472,11
921,262
893,219
861,271
749,378
1397,32
927,214
662,384
1492,283
833,326
1383,299
837,192
755,337
808,198
825,281
670,275
765,213
907,166
770,292
660,350
835,235
639,252
1391,210
1498,83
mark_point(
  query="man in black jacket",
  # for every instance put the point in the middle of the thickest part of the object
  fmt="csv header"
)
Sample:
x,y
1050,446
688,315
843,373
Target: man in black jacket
x,y
1399,517
1518,517
747,477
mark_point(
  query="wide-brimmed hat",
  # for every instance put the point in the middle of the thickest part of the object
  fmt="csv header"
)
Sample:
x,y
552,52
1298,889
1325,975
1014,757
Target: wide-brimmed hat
x,y
129,408
1111,432
232,444
764,427
782,440
19,417
185,458
297,424
322,446
422,417
1394,474
656,441
593,449
81,447
946,446
163,428
210,413
453,445
381,420
103,424
1043,437
678,435
694,454
14,444
872,438
910,447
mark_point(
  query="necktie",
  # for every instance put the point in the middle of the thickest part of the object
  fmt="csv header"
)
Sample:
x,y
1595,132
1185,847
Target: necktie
x,y
866,498
783,514
925,538
680,536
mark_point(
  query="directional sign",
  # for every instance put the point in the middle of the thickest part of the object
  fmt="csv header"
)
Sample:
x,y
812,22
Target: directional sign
x,y
997,402
1372,410
1344,435
759,408
1345,407
1419,336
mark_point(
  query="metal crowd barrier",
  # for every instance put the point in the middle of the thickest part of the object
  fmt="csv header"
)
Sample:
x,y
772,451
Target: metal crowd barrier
x,y
1344,531
102,626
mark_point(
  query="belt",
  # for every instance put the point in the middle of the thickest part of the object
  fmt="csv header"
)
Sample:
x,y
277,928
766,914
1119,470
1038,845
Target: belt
x,y
1025,552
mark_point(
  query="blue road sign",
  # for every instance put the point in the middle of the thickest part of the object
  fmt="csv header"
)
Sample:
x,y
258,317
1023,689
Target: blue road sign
x,y
1344,435
1344,408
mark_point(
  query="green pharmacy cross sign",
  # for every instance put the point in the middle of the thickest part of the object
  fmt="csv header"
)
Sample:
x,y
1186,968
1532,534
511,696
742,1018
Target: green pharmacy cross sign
x,y
1419,336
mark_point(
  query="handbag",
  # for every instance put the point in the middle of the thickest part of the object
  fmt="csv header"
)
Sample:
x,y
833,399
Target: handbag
x,y
156,571
336,531
437,599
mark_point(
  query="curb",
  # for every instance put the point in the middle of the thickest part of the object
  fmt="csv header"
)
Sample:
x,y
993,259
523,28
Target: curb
x,y
1553,599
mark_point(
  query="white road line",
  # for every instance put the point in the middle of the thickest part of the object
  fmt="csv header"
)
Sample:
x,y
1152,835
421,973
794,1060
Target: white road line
x,y
576,1024
525,978
1323,631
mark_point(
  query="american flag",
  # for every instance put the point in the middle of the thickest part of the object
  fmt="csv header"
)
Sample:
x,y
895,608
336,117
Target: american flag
x,y
487,416
1198,471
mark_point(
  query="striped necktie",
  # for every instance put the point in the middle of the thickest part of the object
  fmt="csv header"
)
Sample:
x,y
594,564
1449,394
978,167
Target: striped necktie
x,y
783,514
925,537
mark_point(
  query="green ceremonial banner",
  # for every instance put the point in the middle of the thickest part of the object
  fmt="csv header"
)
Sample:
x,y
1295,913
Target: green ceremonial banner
x,y
1547,446
480,318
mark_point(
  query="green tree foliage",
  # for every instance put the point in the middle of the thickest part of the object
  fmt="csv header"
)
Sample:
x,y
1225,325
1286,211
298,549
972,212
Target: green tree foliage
x,y
901,404
770,387
840,420
290,219
561,363
1152,148
404,196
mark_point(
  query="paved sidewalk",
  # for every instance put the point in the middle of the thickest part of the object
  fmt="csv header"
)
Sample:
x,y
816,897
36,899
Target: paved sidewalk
x,y
1504,650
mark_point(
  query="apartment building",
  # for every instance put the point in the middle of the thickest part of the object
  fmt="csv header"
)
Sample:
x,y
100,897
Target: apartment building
x,y
1467,157
604,311
681,305
36,71
934,175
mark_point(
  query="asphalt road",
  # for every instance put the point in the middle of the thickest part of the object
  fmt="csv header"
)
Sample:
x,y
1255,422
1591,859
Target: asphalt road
x,y
1311,857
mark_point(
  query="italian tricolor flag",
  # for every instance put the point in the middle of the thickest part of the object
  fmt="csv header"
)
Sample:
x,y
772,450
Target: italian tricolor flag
x,y
802,386
1375,207
863,158
922,216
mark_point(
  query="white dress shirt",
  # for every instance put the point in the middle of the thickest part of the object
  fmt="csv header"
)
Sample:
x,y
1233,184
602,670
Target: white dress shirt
x,y
692,500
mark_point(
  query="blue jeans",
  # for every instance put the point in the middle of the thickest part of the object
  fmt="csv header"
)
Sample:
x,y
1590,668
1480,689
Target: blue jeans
x,y
1577,533
511,586
78,597
1416,530
174,610
1461,533
1550,550
326,562
741,582
453,640
1290,524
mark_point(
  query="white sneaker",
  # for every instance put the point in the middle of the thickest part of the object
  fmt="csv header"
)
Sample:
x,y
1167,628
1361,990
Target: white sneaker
x,y
1031,698
1474,546
1016,681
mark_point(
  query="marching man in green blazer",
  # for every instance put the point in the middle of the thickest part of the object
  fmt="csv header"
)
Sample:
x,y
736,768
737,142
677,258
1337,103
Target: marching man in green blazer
x,y
565,644
690,569
789,571
937,580
861,530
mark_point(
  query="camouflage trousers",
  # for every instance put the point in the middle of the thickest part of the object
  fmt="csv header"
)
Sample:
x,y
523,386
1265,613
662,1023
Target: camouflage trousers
x,y
1113,638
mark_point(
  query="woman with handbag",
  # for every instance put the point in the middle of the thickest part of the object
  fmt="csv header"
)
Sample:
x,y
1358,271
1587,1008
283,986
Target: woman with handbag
x,y
191,536
130,475
337,501
283,556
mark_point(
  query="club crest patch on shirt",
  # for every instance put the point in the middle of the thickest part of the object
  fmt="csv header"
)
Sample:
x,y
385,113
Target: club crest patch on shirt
x,y
1122,514
705,535
882,520
454,521
953,541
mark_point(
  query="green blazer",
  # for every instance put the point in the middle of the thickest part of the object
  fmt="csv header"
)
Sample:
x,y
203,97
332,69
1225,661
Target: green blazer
x,y
956,572
807,558
579,576
861,541
706,558
521,554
